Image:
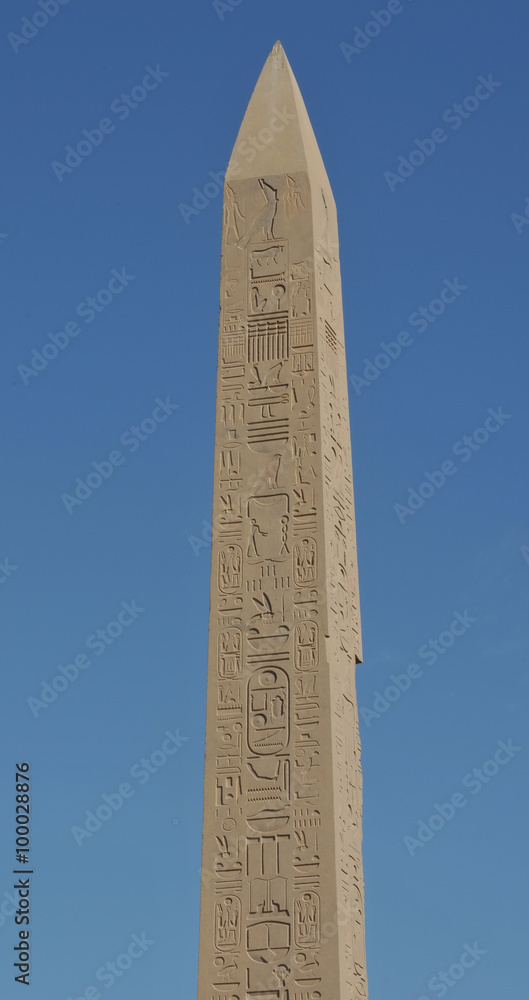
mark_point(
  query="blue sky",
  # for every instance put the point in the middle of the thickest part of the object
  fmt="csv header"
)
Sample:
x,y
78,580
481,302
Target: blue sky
x,y
134,549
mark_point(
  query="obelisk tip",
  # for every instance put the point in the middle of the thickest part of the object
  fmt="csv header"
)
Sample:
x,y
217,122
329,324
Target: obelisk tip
x,y
287,144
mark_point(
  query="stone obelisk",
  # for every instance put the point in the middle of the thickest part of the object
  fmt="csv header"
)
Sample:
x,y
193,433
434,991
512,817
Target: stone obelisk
x,y
282,914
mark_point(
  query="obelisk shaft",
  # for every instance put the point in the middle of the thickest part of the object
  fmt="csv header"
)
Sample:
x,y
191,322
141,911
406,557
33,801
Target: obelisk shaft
x,y
282,914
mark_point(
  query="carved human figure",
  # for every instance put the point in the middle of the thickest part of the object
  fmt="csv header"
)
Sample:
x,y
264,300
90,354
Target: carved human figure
x,y
306,646
228,911
292,197
232,216
306,917
255,532
300,300
230,568
305,561
268,527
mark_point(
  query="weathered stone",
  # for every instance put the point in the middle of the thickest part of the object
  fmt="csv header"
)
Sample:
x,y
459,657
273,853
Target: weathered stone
x,y
282,914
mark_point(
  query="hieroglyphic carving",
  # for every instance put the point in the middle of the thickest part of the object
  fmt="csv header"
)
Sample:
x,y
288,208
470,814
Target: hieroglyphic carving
x,y
268,296
284,614
268,711
268,339
261,224
270,261
230,468
306,920
269,528
305,562
227,923
293,200
229,662
232,216
306,646
230,569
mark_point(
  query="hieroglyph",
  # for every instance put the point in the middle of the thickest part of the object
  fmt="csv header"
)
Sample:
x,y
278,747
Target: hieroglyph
x,y
282,914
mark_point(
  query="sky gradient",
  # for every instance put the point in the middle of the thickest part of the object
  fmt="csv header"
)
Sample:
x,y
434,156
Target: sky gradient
x,y
110,259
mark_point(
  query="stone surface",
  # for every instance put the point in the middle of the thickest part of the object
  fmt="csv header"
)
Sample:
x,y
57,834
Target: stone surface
x,y
282,915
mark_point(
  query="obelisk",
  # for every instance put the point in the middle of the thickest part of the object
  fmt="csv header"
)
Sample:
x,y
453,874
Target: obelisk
x,y
282,915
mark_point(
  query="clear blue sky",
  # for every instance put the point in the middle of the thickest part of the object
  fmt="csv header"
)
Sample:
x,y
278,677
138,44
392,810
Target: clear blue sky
x,y
152,337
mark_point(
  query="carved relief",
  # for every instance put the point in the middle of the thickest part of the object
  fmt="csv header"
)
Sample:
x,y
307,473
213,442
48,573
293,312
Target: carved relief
x,y
261,226
284,523
268,296
306,920
230,569
306,646
233,348
267,632
267,339
227,923
268,895
301,296
268,409
269,787
268,262
228,864
330,338
303,363
306,773
292,199
302,333
231,510
306,855
302,452
230,468
229,662
232,216
268,528
268,941
226,971
229,789
229,698
268,705
305,562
